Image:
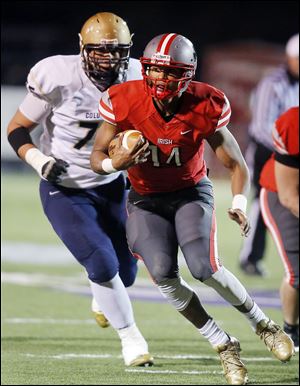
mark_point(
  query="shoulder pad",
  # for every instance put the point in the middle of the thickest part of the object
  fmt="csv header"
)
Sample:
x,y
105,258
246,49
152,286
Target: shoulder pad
x,y
49,75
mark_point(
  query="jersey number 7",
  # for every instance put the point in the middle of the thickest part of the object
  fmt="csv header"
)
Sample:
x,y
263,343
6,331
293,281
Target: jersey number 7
x,y
92,127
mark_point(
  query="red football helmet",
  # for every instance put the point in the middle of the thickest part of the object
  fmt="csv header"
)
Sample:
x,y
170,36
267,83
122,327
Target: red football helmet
x,y
167,52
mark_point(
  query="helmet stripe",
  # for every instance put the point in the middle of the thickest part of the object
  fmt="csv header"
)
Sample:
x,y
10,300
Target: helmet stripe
x,y
161,42
168,44
165,43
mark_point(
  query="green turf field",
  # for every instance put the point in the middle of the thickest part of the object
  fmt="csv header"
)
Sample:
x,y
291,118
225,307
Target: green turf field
x,y
49,336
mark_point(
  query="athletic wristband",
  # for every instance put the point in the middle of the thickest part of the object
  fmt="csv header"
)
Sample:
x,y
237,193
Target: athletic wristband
x,y
107,166
37,159
239,202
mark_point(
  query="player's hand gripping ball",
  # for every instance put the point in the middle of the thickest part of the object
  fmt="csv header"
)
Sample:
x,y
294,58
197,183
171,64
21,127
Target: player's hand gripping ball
x,y
129,139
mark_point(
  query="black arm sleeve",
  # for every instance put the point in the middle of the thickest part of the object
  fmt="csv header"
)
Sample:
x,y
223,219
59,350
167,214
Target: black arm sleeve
x,y
288,160
18,138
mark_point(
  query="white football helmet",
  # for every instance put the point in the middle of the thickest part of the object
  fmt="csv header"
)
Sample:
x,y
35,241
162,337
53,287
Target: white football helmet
x,y
105,43
169,51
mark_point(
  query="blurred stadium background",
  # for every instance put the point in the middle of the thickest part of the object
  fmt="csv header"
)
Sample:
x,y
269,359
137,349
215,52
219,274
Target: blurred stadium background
x,y
237,43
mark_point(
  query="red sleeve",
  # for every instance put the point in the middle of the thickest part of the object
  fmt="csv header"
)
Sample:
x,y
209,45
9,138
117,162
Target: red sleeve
x,y
106,110
225,116
285,133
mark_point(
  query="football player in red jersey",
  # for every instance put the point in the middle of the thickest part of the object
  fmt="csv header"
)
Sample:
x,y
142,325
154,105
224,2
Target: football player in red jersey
x,y
279,200
171,200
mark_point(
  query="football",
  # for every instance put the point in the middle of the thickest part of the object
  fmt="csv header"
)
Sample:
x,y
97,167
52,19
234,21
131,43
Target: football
x,y
130,138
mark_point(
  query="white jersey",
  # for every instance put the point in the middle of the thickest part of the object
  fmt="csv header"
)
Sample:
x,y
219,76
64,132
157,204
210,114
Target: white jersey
x,y
65,102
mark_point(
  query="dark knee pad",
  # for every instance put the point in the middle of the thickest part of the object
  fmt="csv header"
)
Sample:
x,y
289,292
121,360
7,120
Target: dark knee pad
x,y
100,267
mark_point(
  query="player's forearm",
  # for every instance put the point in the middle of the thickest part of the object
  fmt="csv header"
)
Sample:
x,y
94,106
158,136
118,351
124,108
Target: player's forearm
x,y
240,179
20,140
228,152
240,184
24,149
101,163
18,135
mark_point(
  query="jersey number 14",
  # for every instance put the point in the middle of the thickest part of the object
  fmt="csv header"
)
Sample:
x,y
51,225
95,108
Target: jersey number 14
x,y
174,156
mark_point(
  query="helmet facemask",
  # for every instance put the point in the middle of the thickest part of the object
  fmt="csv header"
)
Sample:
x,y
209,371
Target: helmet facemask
x,y
163,88
105,63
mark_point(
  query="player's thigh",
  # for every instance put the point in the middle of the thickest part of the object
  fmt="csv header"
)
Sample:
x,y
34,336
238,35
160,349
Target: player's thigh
x,y
115,220
196,233
75,220
115,217
284,227
112,216
113,210
153,239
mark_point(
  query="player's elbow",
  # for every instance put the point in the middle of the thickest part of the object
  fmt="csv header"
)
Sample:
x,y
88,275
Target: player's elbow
x,y
237,166
13,125
244,170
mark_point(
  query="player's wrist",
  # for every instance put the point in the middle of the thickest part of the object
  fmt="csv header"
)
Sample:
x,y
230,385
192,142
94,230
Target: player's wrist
x,y
239,201
107,166
35,158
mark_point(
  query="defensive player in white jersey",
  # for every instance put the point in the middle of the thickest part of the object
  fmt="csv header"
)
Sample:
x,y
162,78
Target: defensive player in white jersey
x,y
86,210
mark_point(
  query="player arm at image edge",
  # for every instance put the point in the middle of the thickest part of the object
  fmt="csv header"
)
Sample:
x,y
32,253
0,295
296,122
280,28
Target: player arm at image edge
x,y
18,135
19,121
287,182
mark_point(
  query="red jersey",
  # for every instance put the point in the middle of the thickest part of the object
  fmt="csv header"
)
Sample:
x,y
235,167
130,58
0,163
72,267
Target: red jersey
x,y
177,147
286,144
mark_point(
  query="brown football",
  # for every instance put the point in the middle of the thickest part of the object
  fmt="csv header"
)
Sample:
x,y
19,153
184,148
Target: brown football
x,y
130,138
